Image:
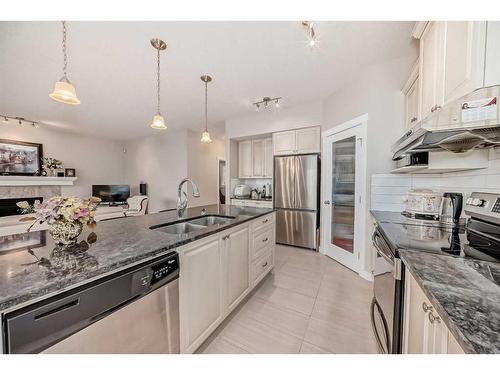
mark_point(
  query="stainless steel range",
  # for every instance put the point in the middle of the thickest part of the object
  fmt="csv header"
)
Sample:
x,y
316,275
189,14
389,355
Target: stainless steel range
x,y
479,239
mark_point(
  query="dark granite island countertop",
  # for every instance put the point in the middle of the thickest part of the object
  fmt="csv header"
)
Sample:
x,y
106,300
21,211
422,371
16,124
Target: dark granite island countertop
x,y
465,293
33,268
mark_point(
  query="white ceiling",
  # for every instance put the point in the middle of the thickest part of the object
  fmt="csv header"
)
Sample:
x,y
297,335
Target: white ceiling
x,y
112,66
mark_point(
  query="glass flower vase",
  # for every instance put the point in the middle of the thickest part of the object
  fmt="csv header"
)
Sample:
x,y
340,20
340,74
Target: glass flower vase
x,y
65,232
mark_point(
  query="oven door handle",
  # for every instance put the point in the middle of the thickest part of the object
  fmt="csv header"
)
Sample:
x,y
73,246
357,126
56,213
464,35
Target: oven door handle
x,y
383,349
380,248
394,262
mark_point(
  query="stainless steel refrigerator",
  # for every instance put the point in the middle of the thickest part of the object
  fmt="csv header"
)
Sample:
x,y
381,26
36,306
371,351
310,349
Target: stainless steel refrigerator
x,y
296,199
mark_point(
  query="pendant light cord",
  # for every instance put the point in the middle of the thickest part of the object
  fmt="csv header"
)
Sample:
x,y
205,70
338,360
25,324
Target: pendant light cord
x,y
158,82
206,106
65,55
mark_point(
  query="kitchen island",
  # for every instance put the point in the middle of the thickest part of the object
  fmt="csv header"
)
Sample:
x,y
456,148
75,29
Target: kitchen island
x,y
33,268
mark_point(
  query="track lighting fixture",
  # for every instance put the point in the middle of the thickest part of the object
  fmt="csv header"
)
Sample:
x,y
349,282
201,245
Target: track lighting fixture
x,y
20,121
267,102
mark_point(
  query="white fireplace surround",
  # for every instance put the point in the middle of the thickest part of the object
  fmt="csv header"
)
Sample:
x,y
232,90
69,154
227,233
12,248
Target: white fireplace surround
x,y
36,181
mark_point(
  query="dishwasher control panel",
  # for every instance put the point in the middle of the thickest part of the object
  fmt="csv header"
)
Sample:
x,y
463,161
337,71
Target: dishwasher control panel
x,y
164,269
156,274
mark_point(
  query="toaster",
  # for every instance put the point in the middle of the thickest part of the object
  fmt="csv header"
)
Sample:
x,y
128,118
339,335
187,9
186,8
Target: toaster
x,y
242,191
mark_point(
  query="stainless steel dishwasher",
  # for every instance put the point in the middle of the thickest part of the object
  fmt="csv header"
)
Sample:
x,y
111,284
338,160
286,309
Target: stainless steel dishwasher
x,y
133,311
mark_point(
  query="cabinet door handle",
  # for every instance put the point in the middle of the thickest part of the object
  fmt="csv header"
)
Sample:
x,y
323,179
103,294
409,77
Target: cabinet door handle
x,y
326,202
413,119
433,318
437,107
426,307
265,239
265,221
264,265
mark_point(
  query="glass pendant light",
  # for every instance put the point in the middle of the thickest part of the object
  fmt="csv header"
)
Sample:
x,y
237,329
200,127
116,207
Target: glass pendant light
x,y
64,91
158,121
205,136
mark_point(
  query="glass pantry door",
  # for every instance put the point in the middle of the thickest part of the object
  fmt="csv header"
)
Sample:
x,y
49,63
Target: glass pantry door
x,y
342,196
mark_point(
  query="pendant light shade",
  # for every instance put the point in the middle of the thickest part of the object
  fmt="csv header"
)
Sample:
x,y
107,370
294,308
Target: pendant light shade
x,y
205,136
158,120
64,91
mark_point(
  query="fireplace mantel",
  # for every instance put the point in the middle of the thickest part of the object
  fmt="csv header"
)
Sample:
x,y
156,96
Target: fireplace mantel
x,y
36,181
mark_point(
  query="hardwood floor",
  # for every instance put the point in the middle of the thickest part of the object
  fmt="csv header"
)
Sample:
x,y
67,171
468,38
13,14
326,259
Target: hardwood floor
x,y
309,304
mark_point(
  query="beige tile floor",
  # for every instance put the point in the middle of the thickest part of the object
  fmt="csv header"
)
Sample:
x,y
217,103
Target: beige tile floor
x,y
308,304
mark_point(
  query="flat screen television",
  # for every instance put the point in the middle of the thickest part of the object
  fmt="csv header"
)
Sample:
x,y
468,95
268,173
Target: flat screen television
x,y
111,193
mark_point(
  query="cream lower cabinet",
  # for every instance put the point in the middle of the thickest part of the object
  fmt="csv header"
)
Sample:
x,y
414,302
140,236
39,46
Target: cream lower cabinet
x,y
216,274
424,331
236,267
200,284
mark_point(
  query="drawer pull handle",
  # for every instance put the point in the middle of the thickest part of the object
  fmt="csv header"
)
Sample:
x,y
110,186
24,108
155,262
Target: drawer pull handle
x,y
265,239
265,221
426,307
264,265
434,318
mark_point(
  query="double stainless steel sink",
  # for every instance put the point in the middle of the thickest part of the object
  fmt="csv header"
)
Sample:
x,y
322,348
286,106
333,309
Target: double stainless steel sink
x,y
192,225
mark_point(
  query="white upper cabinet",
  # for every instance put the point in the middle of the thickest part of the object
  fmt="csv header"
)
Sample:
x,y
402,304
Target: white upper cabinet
x,y
301,141
410,90
308,140
284,142
431,68
456,58
255,158
465,43
268,158
258,158
245,159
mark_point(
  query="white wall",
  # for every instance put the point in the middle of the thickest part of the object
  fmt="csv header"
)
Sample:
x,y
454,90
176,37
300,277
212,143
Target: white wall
x,y
159,160
96,160
269,121
202,168
377,92
164,159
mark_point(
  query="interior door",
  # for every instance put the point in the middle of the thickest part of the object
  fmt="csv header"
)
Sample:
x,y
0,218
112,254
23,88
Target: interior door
x,y
342,199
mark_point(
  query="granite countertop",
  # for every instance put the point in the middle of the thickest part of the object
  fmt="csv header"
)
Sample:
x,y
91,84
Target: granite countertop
x,y
465,293
33,267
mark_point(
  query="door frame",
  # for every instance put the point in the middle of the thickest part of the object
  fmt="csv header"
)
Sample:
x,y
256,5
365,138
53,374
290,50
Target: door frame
x,y
360,214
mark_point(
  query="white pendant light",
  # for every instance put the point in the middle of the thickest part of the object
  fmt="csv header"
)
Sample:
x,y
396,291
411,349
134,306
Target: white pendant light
x,y
205,136
158,121
64,91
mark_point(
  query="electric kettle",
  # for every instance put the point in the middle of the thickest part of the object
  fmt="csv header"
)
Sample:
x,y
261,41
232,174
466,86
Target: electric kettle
x,y
451,208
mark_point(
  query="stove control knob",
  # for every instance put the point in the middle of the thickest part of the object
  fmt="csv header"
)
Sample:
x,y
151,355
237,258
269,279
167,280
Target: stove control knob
x,y
469,200
477,202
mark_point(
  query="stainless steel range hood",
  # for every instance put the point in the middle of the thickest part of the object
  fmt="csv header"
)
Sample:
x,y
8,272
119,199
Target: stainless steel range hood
x,y
472,121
